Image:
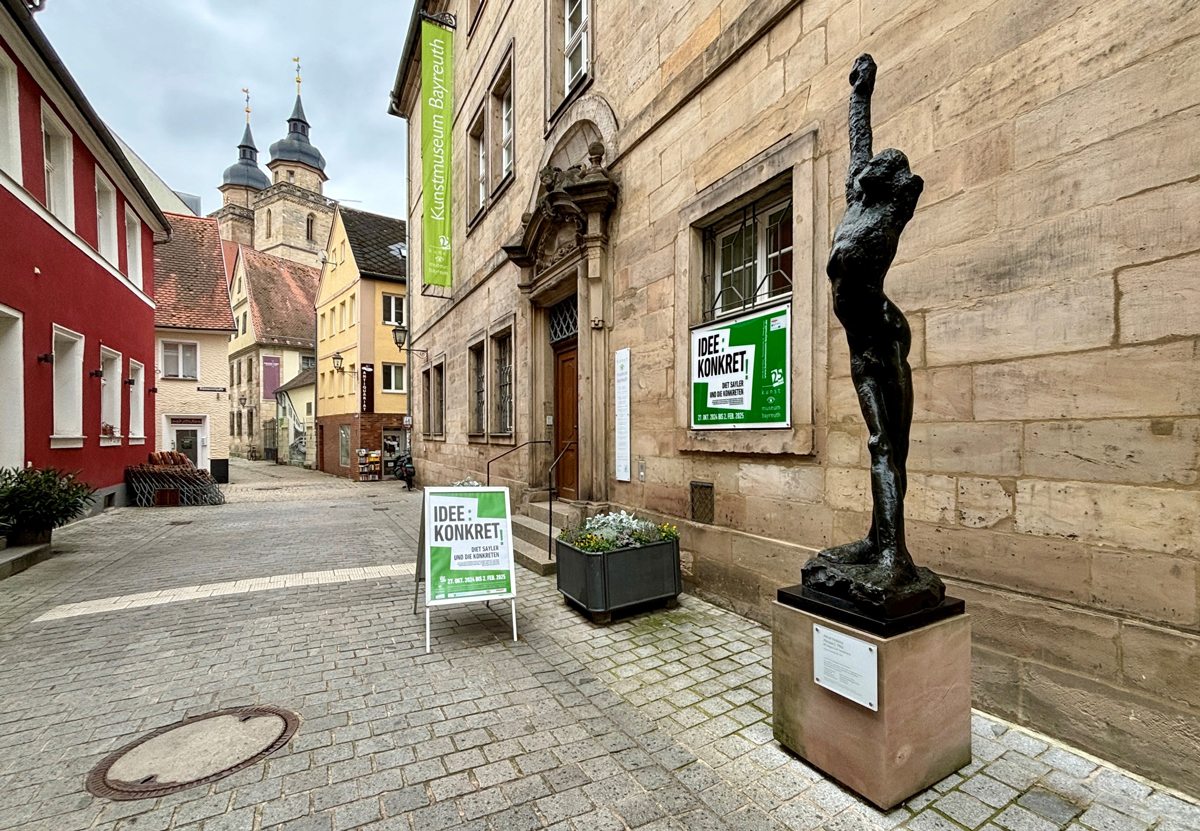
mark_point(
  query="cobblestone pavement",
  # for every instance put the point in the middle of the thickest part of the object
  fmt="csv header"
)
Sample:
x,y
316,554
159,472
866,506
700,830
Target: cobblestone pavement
x,y
658,721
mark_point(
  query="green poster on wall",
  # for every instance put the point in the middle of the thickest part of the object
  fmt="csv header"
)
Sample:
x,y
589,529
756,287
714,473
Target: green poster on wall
x,y
436,115
742,371
468,545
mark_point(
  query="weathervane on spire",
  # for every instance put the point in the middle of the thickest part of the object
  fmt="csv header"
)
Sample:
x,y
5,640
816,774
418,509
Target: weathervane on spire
x,y
297,62
247,91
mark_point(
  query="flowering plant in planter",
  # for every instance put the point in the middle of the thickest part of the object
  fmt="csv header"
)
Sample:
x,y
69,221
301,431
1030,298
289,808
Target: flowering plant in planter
x,y
618,561
608,532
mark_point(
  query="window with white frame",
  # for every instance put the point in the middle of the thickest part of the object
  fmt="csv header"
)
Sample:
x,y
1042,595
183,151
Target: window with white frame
x,y
503,125
342,316
10,122
179,360
133,247
477,178
68,383
393,310
575,56
748,257
137,400
106,218
322,326
344,445
57,157
393,378
110,394
353,303
502,349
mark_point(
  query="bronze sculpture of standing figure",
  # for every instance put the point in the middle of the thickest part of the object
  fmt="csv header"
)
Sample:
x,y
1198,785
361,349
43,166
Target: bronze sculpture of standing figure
x,y
875,575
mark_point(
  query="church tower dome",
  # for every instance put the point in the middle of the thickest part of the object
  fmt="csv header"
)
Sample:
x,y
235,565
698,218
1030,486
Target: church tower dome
x,y
294,155
245,172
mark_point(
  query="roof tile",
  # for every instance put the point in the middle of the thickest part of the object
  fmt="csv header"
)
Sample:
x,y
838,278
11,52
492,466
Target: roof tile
x,y
377,242
190,289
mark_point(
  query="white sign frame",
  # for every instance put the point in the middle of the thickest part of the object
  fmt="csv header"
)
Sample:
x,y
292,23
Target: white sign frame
x,y
846,665
427,515
621,437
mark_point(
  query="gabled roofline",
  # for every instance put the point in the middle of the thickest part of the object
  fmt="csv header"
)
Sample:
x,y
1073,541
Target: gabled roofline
x,y
23,17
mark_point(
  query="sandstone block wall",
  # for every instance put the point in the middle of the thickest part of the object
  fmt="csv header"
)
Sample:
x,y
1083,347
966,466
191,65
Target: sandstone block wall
x,y
1049,277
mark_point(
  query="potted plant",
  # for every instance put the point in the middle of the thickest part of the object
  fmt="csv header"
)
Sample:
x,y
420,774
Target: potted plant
x,y
614,561
34,502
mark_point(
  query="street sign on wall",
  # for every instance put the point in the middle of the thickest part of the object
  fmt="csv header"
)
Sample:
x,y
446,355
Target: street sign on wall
x,y
741,371
366,388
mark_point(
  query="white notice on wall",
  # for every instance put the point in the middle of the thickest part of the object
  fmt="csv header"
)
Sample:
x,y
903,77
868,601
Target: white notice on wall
x,y
622,426
847,666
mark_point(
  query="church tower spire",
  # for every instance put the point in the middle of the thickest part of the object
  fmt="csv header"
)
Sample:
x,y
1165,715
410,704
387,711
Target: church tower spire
x,y
240,184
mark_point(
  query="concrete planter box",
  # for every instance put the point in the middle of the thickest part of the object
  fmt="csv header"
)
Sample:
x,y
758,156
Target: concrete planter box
x,y
603,582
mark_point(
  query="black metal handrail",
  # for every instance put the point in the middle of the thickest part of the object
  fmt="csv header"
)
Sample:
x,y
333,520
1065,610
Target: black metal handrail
x,y
550,504
505,453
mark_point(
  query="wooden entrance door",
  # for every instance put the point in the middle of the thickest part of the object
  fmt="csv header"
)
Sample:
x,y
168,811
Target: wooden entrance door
x,y
566,418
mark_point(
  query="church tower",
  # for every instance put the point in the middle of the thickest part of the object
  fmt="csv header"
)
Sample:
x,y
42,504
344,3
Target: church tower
x,y
291,217
285,214
240,185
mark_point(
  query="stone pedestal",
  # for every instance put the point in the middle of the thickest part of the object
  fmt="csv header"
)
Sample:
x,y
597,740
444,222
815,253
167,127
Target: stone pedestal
x,y
921,732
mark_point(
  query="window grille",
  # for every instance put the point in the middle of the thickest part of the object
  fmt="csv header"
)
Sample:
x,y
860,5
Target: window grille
x,y
702,502
439,398
479,391
504,384
564,320
749,261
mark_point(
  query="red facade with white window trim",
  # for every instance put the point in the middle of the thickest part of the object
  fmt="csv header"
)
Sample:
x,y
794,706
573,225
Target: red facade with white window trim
x,y
65,294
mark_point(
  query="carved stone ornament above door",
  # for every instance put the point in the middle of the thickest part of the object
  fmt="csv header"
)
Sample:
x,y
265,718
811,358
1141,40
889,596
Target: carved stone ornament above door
x,y
571,211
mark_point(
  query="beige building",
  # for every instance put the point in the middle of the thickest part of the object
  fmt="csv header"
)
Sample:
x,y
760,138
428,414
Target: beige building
x,y
192,326
361,379
1048,275
272,301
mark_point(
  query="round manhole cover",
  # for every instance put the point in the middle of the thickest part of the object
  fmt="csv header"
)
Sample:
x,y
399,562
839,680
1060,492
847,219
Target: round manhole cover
x,y
192,752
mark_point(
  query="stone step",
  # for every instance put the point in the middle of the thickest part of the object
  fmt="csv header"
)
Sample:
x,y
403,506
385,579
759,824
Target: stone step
x,y
565,514
20,557
531,530
533,556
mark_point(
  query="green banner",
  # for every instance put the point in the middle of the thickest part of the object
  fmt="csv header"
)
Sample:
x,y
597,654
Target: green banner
x,y
436,115
742,371
468,539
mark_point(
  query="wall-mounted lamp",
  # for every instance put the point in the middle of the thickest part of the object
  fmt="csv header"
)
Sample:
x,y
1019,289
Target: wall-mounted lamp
x,y
400,337
338,360
47,358
96,373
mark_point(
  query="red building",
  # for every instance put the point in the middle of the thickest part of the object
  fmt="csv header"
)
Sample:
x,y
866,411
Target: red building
x,y
77,235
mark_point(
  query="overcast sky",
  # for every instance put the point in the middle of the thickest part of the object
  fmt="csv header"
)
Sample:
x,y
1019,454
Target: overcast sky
x,y
167,76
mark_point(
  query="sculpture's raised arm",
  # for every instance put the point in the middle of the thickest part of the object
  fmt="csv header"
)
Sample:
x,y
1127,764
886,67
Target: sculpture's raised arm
x,y
862,80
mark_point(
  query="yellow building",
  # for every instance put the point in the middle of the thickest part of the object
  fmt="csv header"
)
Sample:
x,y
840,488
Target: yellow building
x,y
272,302
361,378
